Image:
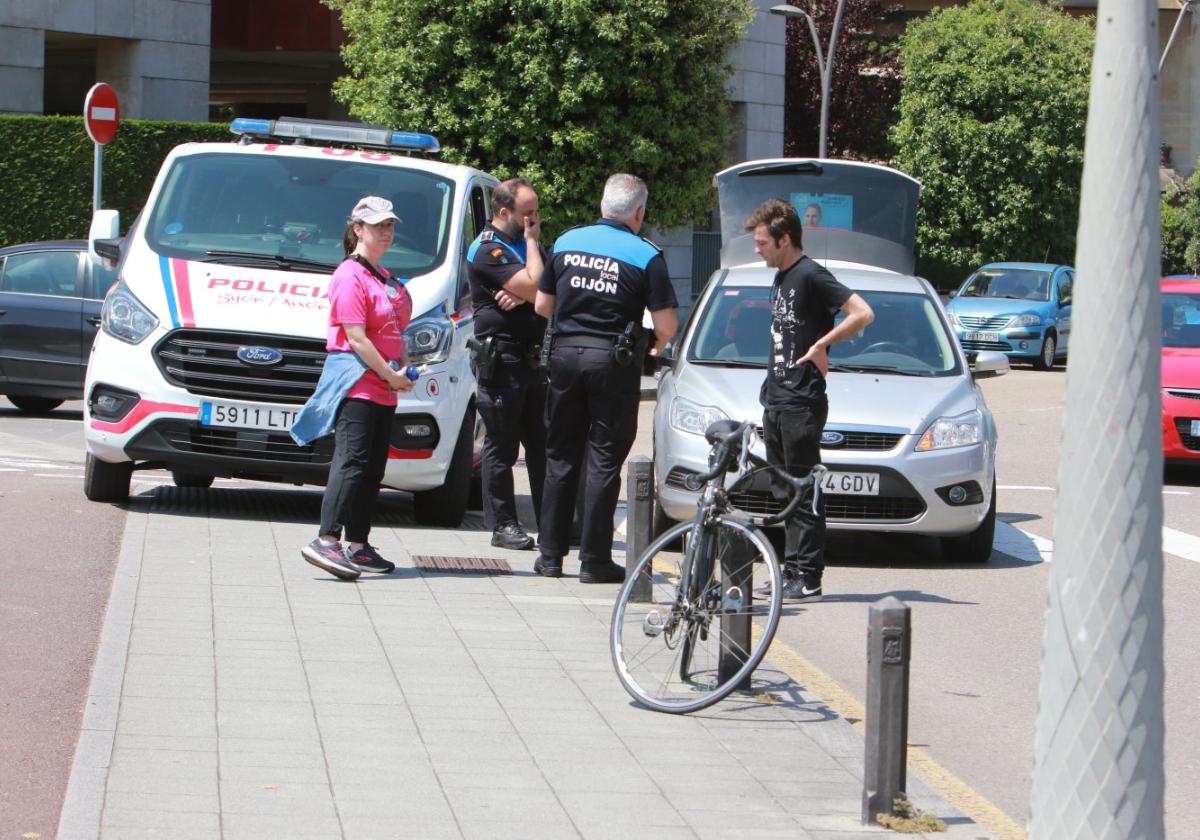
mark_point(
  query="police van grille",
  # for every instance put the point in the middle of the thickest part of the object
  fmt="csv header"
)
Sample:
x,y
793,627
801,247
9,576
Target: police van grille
x,y
249,445
205,362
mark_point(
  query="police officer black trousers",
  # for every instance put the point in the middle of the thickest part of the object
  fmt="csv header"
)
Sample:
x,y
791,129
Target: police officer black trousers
x,y
592,413
512,404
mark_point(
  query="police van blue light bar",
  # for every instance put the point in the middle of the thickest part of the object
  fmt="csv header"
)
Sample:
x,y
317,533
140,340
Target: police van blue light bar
x,y
357,134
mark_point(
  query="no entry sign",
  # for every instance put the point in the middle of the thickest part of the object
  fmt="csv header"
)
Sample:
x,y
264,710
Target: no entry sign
x,y
101,114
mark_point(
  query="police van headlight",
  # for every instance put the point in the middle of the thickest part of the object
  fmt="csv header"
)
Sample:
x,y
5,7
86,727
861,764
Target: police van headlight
x,y
125,317
427,340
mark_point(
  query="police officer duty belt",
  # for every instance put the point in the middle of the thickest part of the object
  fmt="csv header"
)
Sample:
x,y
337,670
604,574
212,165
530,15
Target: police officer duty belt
x,y
594,342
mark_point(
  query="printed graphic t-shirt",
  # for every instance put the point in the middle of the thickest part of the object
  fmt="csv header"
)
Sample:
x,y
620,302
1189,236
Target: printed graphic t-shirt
x,y
804,299
357,297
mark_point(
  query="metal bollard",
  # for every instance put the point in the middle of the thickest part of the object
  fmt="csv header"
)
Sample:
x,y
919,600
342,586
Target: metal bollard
x,y
889,646
639,521
735,627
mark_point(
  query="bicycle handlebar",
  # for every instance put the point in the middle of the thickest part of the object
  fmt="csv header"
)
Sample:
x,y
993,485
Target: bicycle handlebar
x,y
722,454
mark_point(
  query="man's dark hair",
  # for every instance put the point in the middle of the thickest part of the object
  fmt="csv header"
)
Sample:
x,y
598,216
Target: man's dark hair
x,y
780,217
504,196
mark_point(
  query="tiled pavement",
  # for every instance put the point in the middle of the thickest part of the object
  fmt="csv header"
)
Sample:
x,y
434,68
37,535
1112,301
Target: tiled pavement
x,y
241,693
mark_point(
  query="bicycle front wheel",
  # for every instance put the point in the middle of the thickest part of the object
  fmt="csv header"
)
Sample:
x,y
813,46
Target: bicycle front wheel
x,y
687,646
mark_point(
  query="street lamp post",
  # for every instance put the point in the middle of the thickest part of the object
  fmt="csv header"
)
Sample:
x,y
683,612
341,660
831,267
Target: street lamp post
x,y
1185,7
824,63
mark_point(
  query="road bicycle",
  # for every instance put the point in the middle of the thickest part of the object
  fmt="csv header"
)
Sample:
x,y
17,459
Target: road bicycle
x,y
703,630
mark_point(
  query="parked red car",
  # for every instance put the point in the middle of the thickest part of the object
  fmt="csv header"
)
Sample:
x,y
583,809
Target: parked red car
x,y
1181,370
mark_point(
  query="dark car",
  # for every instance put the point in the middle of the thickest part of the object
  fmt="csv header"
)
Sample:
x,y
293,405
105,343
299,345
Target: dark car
x,y
50,299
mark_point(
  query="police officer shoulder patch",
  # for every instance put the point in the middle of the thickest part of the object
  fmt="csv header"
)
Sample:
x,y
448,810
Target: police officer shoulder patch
x,y
497,252
487,236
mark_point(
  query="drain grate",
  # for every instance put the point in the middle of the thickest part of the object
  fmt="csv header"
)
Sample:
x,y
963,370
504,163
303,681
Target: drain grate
x,y
462,565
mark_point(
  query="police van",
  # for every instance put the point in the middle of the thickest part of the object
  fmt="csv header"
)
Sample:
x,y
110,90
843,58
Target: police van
x,y
214,335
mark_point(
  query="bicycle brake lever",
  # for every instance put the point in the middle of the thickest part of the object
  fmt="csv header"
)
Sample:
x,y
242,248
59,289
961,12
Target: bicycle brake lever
x,y
817,474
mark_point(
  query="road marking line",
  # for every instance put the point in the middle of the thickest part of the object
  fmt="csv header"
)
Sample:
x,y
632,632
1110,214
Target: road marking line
x,y
1181,544
11,469
1177,492
77,476
955,791
38,465
1022,487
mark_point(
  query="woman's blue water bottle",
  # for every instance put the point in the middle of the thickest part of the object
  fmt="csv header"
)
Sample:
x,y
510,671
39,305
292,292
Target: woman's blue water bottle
x,y
413,372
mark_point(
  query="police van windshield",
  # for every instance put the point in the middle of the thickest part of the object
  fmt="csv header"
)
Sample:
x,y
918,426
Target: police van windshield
x,y
291,211
850,211
906,338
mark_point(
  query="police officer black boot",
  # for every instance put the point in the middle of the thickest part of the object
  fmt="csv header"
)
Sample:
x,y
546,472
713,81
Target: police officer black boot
x,y
609,572
548,566
512,536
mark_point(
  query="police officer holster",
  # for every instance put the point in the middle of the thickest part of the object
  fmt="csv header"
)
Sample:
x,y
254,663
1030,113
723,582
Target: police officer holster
x,y
630,346
486,355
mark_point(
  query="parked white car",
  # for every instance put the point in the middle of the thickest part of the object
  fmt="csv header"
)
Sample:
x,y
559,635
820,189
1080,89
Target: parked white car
x,y
910,442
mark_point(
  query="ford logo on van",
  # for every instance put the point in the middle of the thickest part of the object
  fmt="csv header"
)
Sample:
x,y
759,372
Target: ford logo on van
x,y
260,355
832,438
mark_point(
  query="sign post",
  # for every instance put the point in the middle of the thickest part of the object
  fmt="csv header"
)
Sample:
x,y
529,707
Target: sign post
x,y
101,116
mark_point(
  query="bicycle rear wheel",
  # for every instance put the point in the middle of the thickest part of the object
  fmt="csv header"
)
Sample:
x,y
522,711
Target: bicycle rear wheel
x,y
668,651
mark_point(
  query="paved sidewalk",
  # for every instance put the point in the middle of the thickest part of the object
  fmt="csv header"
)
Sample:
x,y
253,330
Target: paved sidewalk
x,y
241,693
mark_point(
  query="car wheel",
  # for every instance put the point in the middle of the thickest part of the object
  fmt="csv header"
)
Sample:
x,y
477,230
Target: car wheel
x,y
34,405
1045,359
975,547
188,479
445,506
105,482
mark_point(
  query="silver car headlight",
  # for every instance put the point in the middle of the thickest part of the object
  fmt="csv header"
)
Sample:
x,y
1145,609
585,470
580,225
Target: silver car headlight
x,y
125,317
1029,319
949,432
693,418
427,339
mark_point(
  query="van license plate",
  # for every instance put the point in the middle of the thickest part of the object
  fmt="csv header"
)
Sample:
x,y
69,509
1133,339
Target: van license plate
x,y
851,484
992,337
247,416
1196,428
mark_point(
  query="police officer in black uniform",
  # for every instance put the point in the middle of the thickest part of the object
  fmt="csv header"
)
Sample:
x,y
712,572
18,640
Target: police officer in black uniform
x,y
504,265
598,282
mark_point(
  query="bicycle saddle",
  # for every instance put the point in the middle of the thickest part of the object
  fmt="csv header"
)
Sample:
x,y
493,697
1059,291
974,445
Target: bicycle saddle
x,y
727,432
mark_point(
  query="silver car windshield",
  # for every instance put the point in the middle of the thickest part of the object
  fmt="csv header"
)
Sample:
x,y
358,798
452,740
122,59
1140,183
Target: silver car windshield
x,y
907,337
291,212
1011,283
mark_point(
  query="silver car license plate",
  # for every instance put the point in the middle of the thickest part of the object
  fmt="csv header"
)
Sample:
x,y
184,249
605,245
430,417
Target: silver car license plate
x,y
1196,428
851,484
247,416
981,336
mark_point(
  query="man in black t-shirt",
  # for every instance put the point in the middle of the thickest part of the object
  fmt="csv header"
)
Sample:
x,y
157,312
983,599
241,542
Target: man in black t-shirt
x,y
804,298
504,266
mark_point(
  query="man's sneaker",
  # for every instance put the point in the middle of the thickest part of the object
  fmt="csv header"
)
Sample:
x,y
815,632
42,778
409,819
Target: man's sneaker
x,y
763,590
799,590
547,566
512,536
609,572
332,558
368,559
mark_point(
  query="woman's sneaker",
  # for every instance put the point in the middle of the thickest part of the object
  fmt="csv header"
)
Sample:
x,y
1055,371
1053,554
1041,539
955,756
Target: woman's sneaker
x,y
332,558
368,559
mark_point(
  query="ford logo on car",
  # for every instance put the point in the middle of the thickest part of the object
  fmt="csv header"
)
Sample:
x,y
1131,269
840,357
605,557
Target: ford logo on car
x,y
260,355
832,438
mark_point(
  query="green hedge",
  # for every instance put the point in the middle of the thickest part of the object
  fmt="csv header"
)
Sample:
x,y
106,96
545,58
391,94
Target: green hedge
x,y
46,172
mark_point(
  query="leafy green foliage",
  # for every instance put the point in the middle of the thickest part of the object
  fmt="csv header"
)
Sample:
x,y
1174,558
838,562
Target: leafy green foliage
x,y
992,114
563,92
1181,227
46,172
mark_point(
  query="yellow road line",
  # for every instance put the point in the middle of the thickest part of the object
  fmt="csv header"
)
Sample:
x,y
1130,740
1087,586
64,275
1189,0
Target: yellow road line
x,y
957,792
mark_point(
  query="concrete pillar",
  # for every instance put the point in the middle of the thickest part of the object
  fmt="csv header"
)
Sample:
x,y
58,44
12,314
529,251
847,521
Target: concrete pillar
x,y
22,62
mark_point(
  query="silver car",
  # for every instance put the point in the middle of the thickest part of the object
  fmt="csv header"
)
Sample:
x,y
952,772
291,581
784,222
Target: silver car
x,y
910,442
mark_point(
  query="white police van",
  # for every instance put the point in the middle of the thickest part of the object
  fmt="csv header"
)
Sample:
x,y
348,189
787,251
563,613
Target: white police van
x,y
214,335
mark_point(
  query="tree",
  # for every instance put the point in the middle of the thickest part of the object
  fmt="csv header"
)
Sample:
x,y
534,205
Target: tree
x,y
563,92
864,88
1181,227
992,113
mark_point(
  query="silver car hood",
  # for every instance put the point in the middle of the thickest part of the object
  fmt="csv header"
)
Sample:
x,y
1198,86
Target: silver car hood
x,y
905,404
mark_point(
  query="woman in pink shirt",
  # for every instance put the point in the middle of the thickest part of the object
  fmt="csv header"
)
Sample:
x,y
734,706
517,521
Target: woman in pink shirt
x,y
368,311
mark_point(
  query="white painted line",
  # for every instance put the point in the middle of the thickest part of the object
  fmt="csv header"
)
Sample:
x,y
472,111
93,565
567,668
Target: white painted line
x,y
1181,544
11,469
1177,493
1022,487
77,476
38,465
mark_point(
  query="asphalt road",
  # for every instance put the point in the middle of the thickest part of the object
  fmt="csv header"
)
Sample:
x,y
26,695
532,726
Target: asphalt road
x,y
977,630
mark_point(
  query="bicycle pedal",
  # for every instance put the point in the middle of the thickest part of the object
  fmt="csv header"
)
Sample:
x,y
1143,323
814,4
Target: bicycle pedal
x,y
652,624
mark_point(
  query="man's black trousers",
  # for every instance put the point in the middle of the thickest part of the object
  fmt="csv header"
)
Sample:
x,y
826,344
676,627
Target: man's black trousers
x,y
793,439
360,434
512,405
592,414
